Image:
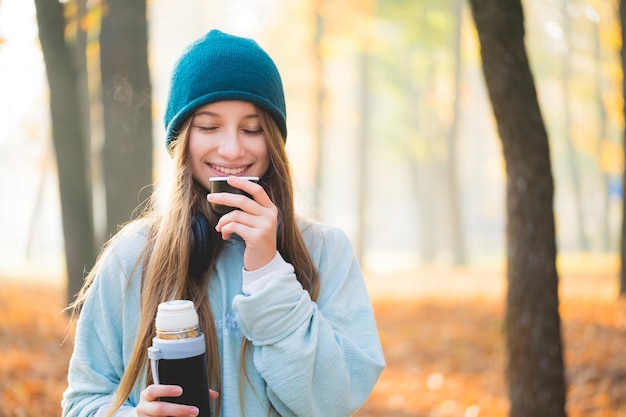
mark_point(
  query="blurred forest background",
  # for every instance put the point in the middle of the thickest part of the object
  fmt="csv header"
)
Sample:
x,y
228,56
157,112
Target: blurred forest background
x,y
428,153
392,138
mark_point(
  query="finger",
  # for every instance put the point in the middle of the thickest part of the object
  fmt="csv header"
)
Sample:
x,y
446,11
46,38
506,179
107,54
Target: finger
x,y
213,394
239,201
150,404
249,227
254,189
263,218
165,409
155,391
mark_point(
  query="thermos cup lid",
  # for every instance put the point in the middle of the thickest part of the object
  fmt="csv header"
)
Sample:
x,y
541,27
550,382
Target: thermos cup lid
x,y
176,315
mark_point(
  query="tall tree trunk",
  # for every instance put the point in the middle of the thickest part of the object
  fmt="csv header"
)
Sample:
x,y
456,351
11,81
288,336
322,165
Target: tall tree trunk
x,y
420,165
457,238
127,107
605,178
318,125
79,47
622,288
426,168
69,144
363,153
533,326
566,74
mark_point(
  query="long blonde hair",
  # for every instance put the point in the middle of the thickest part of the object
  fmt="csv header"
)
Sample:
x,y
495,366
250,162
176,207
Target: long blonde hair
x,y
164,277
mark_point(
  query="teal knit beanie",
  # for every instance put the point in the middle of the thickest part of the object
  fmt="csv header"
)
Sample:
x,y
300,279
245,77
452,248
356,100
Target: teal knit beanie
x,y
220,67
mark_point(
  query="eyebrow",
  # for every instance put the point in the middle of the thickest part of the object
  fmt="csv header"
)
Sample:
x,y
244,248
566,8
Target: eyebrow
x,y
210,113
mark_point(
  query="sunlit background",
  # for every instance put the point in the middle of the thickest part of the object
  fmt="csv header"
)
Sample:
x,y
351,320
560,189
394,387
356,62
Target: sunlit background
x,y
406,102
574,52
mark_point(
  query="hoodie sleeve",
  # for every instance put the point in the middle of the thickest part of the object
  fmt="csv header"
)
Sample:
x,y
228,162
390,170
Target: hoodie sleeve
x,y
105,332
317,358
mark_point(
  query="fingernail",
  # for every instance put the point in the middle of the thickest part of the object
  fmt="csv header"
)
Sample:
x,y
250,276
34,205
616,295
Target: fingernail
x,y
210,197
195,411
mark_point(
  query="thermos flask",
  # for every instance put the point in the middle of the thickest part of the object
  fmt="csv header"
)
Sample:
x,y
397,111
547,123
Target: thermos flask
x,y
178,354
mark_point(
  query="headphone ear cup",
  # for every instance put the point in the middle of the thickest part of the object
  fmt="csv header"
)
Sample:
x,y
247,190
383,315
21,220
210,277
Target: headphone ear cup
x,y
199,258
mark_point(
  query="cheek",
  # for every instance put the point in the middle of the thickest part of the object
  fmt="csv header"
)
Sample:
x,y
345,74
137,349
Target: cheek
x,y
195,145
263,155
196,153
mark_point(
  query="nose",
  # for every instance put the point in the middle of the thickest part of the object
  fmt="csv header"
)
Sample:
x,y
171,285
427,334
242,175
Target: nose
x,y
230,146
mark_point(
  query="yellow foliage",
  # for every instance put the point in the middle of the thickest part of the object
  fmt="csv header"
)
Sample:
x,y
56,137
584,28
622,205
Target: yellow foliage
x,y
91,21
70,12
445,354
614,105
611,157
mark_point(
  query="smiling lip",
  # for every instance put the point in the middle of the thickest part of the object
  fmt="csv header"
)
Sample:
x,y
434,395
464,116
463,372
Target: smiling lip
x,y
229,171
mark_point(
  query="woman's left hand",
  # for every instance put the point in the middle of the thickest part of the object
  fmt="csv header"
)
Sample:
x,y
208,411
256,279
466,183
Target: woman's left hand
x,y
255,221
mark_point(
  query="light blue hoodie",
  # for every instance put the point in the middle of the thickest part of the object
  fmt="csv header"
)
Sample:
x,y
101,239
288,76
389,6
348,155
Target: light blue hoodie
x,y
307,358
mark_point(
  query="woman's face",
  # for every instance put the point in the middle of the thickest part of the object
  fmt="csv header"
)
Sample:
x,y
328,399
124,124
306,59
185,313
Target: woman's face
x,y
226,139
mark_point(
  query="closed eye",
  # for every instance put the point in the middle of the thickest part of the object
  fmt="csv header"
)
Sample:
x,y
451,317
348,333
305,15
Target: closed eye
x,y
253,132
205,128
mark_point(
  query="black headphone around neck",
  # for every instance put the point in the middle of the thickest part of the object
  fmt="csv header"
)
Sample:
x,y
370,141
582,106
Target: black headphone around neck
x,y
200,247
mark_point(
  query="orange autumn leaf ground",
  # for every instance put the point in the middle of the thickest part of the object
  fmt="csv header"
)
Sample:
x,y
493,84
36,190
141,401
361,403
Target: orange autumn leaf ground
x,y
442,332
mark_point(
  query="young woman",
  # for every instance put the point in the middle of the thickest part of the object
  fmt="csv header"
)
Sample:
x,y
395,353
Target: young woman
x,y
288,323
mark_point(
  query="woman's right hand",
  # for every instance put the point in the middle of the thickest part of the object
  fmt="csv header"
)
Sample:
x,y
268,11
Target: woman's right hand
x,y
150,406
